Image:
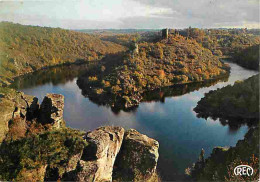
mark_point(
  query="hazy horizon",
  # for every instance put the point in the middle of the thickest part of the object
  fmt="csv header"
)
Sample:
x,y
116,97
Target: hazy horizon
x,y
138,29
132,14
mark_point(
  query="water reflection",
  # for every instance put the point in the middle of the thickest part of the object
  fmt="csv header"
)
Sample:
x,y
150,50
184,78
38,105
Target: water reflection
x,y
54,76
158,94
178,90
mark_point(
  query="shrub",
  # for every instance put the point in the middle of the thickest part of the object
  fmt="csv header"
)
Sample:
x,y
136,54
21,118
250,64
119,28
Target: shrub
x,y
92,78
54,148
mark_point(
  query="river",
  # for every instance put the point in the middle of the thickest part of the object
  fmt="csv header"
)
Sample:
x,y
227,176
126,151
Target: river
x,y
170,120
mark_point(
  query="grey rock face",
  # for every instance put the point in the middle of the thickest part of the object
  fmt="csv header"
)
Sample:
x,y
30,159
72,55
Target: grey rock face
x,y
138,158
98,158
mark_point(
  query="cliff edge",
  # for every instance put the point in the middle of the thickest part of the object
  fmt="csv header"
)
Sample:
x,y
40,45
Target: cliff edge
x,y
37,146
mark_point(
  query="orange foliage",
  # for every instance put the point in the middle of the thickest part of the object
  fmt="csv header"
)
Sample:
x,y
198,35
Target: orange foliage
x,y
161,73
198,71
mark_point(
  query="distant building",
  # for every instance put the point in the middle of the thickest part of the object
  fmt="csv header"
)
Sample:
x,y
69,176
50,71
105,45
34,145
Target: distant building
x,y
136,48
165,33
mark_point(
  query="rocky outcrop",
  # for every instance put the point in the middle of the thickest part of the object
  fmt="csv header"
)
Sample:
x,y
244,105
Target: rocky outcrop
x,y
138,158
51,110
13,106
18,111
33,110
99,156
105,154
115,155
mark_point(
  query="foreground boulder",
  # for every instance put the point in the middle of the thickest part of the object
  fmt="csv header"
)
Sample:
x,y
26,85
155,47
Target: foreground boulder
x,y
115,155
137,160
99,156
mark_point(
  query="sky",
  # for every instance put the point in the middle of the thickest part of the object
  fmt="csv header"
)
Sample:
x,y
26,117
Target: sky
x,y
139,14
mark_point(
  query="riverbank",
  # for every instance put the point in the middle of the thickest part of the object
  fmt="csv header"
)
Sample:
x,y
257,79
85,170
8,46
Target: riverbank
x,y
26,49
235,104
223,160
117,104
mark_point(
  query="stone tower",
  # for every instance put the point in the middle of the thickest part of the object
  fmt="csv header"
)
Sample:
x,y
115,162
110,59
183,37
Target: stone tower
x,y
136,48
165,33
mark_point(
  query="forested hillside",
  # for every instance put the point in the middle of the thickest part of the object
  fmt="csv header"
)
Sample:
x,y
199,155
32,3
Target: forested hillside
x,y
150,66
226,41
248,57
239,102
242,45
28,48
128,39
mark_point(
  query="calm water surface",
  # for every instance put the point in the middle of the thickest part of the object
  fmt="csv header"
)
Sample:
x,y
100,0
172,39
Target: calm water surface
x,y
171,121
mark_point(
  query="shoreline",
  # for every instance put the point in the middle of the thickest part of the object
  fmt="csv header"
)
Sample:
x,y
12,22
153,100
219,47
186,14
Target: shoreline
x,y
46,68
138,96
